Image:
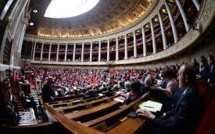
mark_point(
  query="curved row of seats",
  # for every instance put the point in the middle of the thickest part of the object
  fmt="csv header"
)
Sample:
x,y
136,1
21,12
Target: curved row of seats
x,y
100,119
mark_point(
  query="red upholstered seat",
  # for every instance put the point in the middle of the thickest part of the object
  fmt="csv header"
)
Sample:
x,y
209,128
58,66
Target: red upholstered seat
x,y
204,92
207,124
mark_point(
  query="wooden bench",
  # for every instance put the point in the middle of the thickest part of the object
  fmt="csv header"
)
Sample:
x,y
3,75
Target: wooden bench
x,y
67,97
83,105
129,126
93,110
62,103
71,125
114,114
74,101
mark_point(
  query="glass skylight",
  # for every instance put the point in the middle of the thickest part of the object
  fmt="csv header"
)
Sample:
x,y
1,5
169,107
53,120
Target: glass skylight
x,y
69,8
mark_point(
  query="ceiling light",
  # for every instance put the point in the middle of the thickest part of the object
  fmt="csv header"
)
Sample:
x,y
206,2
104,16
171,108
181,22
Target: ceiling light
x,y
35,11
69,8
156,19
31,23
164,10
147,26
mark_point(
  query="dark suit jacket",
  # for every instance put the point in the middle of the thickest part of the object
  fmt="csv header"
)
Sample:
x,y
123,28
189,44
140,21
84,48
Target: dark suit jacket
x,y
212,75
204,73
47,92
184,117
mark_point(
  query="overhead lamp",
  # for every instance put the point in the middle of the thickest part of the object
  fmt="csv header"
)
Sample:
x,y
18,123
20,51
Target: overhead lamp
x,y
147,26
35,11
156,19
164,11
31,23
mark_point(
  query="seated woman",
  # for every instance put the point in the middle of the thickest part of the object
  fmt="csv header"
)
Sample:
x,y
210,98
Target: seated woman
x,y
170,89
166,95
171,83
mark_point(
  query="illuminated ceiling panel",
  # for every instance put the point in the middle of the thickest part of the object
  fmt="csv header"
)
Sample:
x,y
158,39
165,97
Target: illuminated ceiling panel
x,y
69,8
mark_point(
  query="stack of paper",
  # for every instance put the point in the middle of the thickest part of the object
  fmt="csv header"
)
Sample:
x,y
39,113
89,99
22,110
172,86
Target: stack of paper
x,y
76,100
151,106
119,99
100,94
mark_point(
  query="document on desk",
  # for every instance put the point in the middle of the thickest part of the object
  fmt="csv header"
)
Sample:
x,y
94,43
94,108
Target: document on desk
x,y
100,94
119,99
76,100
151,106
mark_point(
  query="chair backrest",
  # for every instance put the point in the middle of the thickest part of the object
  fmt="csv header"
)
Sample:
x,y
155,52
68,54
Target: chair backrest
x,y
25,87
205,92
207,95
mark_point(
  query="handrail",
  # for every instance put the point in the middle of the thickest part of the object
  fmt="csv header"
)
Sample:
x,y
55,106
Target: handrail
x,y
71,125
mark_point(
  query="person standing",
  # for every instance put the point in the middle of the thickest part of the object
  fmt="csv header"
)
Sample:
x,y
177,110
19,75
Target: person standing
x,y
47,91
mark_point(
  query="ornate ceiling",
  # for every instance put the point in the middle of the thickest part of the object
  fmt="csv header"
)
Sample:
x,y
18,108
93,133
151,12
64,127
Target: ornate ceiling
x,y
108,17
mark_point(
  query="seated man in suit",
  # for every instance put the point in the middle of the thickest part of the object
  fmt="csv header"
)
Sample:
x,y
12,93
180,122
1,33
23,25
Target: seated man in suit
x,y
185,115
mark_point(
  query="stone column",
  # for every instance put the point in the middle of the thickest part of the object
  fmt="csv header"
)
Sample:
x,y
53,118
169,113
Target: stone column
x,y
66,51
99,53
57,56
197,5
82,53
175,34
12,11
41,53
154,45
144,41
35,43
184,17
91,51
162,31
126,48
134,45
74,49
50,51
21,38
117,49
108,50
17,14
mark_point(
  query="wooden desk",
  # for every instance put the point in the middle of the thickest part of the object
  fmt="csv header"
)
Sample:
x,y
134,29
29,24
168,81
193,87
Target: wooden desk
x,y
73,102
129,126
66,103
68,96
92,110
71,125
82,105
120,111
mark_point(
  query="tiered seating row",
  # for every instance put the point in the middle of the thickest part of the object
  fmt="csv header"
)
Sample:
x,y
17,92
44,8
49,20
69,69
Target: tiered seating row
x,y
107,117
